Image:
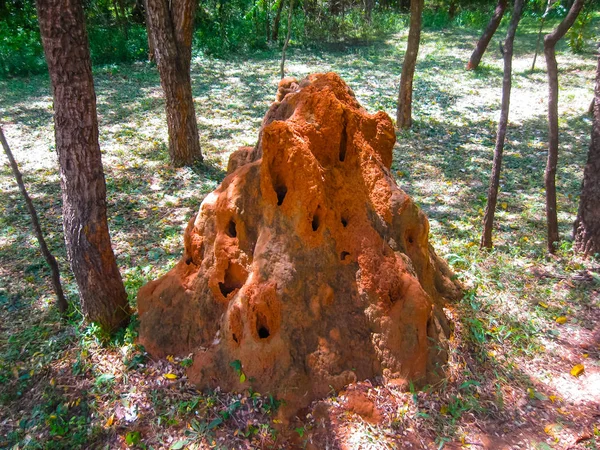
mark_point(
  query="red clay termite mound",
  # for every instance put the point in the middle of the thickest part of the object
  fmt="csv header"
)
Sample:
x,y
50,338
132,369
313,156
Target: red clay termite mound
x,y
308,265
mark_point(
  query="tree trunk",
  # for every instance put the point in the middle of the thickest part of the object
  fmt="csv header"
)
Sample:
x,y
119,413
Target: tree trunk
x,y
488,218
587,225
549,5
172,26
368,10
61,302
287,39
487,35
151,46
103,296
277,20
550,41
267,7
404,112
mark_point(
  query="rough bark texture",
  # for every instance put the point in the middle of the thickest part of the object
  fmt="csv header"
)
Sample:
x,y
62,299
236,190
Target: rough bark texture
x,y
103,297
587,224
550,41
172,26
308,265
61,302
488,218
404,112
487,35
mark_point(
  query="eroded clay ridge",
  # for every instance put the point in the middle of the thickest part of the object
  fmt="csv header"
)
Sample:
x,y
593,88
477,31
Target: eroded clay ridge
x,y
308,264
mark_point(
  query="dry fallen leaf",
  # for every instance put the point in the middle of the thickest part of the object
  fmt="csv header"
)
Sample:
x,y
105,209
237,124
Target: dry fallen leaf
x,y
110,421
561,320
170,376
543,305
577,370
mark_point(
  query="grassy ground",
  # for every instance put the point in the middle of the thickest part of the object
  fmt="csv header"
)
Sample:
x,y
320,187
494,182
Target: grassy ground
x,y
509,383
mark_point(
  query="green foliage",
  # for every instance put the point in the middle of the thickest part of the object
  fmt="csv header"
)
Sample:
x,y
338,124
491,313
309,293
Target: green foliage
x,y
580,32
108,44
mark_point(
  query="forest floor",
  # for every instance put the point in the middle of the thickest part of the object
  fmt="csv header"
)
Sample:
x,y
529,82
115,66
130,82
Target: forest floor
x,y
525,321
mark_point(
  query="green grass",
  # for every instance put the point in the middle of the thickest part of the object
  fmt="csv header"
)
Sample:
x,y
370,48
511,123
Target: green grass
x,y
507,345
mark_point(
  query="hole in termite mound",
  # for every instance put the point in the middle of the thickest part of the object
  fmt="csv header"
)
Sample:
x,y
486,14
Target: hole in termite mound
x,y
263,332
344,255
231,229
344,222
316,219
235,277
281,192
264,313
343,144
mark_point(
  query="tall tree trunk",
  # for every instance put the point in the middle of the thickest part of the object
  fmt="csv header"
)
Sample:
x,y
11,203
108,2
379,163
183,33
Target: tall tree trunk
x,y
487,35
550,41
587,225
277,20
103,296
120,15
549,5
368,10
267,7
172,26
287,38
488,218
61,302
452,9
151,46
404,111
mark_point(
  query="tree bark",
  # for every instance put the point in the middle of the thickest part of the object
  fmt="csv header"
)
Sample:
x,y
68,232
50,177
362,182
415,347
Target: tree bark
x,y
103,296
586,229
61,302
488,218
172,26
487,35
287,38
277,20
550,41
404,111
151,46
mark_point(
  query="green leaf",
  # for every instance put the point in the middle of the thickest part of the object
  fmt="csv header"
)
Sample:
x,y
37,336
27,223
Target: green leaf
x,y
132,438
104,378
242,377
215,423
179,445
300,431
237,365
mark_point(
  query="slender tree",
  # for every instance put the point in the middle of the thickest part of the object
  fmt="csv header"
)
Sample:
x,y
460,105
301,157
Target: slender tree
x,y
587,225
487,35
549,6
61,302
550,41
277,20
103,296
172,25
488,219
151,51
404,111
287,38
